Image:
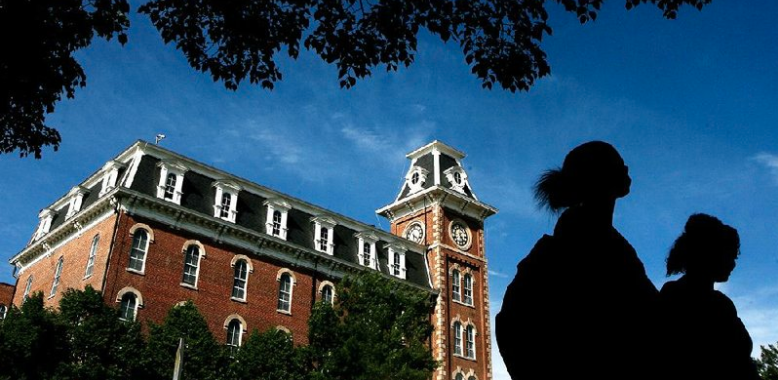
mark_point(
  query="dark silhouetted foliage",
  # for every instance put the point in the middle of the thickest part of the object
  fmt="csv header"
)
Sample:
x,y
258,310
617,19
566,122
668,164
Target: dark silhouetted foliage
x,y
37,64
767,364
205,358
377,329
235,40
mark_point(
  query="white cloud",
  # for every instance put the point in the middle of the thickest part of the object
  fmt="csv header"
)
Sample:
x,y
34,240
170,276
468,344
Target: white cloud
x,y
759,310
498,274
770,161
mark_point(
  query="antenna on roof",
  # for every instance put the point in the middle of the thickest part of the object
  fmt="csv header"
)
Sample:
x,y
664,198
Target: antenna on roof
x,y
159,138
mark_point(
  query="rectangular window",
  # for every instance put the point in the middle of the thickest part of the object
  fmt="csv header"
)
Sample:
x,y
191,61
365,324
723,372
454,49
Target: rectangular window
x,y
468,299
170,186
191,261
367,257
225,205
276,223
457,338
239,283
455,291
324,240
396,264
470,342
90,264
285,293
57,274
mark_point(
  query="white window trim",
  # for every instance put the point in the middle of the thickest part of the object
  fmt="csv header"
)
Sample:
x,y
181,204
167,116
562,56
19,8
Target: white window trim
x,y
179,170
418,186
283,207
57,276
232,189
111,176
200,256
46,217
249,270
450,176
456,327
321,290
138,300
243,326
323,222
395,249
456,284
292,284
90,261
367,238
27,288
466,339
149,240
76,200
472,287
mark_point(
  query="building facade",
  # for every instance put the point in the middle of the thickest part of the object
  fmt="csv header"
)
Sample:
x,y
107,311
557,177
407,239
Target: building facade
x,y
153,228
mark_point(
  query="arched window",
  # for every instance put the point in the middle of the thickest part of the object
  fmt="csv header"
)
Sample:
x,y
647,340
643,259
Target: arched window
x,y
3,310
276,223
459,376
457,338
456,294
140,246
90,263
239,283
327,293
27,288
128,307
471,377
57,274
234,335
470,342
191,265
468,289
285,293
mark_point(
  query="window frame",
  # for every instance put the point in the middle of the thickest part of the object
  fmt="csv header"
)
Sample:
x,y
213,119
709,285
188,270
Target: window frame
x,y
166,168
27,288
57,276
236,279
396,261
125,308
234,334
282,207
188,246
324,242
469,341
226,197
133,255
367,259
467,289
456,288
285,296
457,344
90,262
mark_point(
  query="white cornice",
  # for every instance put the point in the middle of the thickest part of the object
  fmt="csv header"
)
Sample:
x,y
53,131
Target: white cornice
x,y
437,194
436,146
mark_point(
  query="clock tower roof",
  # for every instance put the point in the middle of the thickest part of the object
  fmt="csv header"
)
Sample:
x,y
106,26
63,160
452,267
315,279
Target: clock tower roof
x,y
436,168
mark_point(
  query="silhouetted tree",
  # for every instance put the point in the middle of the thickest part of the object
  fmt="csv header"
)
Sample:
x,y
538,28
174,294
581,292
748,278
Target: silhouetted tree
x,y
767,364
32,342
100,346
205,358
270,355
37,64
378,329
233,40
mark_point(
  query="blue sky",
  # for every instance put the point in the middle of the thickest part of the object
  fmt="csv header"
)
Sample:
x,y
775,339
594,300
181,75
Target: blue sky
x,y
689,103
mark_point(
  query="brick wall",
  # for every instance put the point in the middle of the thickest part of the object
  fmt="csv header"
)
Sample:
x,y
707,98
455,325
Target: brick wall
x,y
75,254
6,294
160,284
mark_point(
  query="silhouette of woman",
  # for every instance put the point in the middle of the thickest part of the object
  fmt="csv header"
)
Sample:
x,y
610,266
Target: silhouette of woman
x,y
703,335
581,304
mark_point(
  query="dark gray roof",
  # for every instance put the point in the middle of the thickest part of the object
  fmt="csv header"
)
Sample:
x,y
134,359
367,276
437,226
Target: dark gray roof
x,y
199,194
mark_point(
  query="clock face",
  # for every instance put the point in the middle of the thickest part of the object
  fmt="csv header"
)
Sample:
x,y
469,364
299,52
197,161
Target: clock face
x,y
415,233
460,234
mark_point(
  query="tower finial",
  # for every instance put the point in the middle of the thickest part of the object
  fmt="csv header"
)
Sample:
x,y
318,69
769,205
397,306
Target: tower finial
x,y
158,138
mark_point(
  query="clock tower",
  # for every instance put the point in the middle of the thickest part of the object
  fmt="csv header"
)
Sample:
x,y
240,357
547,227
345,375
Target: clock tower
x,y
437,208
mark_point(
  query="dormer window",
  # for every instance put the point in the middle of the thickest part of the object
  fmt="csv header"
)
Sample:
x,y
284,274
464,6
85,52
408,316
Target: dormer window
x,y
46,217
397,261
324,236
76,200
367,249
111,176
226,201
416,178
277,215
457,178
171,181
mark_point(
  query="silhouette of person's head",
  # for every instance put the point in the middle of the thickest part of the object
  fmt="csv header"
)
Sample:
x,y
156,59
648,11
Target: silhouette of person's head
x,y
707,248
593,171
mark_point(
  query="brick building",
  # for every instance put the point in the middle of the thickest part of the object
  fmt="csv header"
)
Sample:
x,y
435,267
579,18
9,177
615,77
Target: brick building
x,y
152,228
